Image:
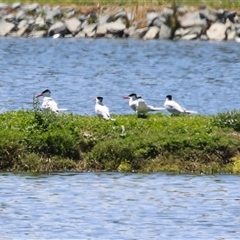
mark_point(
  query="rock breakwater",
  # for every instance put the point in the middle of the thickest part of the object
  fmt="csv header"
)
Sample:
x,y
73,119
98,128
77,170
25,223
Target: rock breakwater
x,y
173,22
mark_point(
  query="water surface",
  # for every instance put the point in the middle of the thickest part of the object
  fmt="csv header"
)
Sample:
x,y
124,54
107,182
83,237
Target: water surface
x,y
201,76
119,206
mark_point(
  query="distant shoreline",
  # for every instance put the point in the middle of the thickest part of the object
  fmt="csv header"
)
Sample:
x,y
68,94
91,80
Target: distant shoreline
x,y
146,23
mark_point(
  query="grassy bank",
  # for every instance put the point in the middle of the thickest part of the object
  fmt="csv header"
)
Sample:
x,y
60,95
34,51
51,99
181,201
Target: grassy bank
x,y
43,142
230,4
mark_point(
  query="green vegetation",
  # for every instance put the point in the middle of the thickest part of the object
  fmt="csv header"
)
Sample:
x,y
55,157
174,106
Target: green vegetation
x,y
212,3
43,142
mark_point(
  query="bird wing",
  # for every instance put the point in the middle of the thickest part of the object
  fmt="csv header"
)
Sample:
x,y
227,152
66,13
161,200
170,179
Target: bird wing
x,y
173,106
142,107
133,104
102,111
49,104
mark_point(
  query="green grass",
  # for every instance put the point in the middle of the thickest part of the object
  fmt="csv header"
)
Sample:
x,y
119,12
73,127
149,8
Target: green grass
x,y
212,3
43,142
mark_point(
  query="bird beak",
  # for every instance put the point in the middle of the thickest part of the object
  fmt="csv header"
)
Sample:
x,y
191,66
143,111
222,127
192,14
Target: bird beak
x,y
39,95
126,97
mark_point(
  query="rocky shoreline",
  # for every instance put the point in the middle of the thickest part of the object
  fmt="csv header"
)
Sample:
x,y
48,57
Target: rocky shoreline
x,y
173,22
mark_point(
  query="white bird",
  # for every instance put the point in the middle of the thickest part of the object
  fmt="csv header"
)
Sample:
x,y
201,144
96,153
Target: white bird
x,y
101,110
48,102
173,107
139,106
133,101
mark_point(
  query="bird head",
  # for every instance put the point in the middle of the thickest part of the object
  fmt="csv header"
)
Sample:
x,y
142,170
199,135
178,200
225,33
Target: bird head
x,y
45,93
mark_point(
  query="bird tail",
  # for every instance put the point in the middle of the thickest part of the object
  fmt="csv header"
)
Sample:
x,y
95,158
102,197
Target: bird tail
x,y
191,112
151,108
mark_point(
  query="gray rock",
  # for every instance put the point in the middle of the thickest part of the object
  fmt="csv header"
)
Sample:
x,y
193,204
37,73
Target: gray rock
x,y
91,34
208,14
16,5
40,22
38,34
152,33
31,7
22,30
22,24
129,32
217,31
73,25
57,28
120,14
70,13
167,11
101,30
231,34
139,33
165,32
104,19
46,8
56,12
115,27
151,16
204,37
5,28
238,32
90,29
80,35
3,6
180,32
68,36
182,10
109,36
190,37
20,15
192,19
159,21
83,18
9,18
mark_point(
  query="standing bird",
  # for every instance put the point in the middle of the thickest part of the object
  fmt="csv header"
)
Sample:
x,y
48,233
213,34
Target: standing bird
x,y
133,101
48,102
101,110
173,107
139,106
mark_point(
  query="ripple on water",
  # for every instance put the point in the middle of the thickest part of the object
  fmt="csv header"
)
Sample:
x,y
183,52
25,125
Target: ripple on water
x,y
202,76
119,206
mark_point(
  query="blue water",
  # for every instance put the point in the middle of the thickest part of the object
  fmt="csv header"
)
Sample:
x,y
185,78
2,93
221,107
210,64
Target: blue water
x,y
201,76
119,206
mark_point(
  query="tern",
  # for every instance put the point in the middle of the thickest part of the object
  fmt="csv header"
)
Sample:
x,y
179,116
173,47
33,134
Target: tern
x,y
101,110
139,106
48,102
173,107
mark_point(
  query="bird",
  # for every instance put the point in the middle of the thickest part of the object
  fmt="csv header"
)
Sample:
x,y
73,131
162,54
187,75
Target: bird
x,y
173,107
101,110
48,103
133,101
139,106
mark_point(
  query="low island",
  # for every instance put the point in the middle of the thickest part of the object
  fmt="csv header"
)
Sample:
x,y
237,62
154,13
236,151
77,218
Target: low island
x,y
39,141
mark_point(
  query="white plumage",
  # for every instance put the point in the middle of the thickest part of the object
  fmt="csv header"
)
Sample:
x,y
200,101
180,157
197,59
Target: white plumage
x,y
48,103
101,110
139,106
174,107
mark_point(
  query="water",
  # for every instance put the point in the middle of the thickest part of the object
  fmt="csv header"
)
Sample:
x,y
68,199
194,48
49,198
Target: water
x,y
201,76
119,206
